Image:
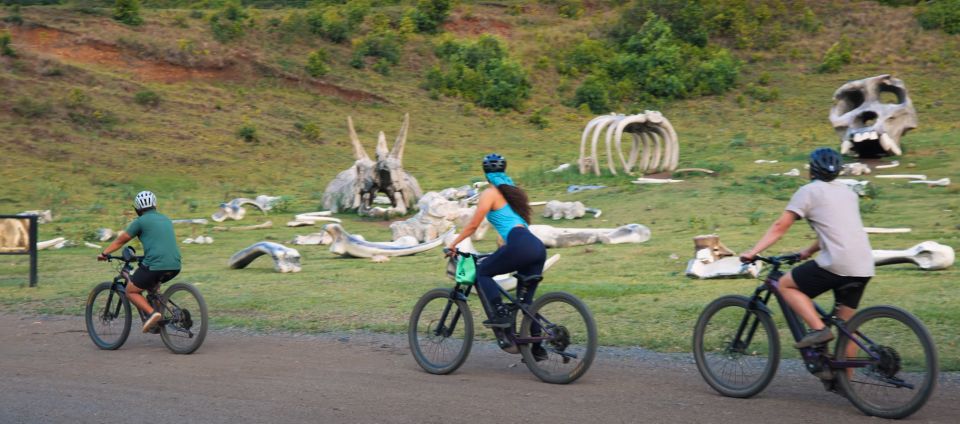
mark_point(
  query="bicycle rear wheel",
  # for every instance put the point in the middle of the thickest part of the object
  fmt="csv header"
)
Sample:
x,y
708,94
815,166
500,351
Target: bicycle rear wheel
x,y
107,316
570,352
737,350
184,324
902,380
440,332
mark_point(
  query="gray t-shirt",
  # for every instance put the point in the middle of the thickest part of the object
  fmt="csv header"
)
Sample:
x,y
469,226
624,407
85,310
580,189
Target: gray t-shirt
x,y
833,211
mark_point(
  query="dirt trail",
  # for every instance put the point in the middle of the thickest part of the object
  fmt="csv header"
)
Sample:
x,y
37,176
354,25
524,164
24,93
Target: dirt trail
x,y
50,372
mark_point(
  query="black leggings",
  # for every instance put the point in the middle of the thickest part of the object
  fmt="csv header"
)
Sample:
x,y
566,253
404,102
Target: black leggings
x,y
523,253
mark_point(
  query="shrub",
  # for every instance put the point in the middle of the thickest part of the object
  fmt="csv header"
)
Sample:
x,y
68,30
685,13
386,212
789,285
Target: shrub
x,y
309,131
429,15
248,132
594,93
317,63
127,12
382,67
5,45
336,23
28,108
762,94
147,98
228,24
942,14
383,45
837,55
15,17
539,120
196,14
76,98
586,56
480,72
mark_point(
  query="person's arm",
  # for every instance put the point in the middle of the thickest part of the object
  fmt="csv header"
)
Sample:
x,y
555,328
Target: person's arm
x,y
483,206
776,231
121,240
808,252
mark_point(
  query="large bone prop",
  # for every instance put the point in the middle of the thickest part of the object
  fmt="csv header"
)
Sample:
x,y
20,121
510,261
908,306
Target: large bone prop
x,y
356,187
56,243
714,260
234,209
867,125
322,238
567,237
43,217
655,144
106,234
346,244
13,235
928,255
268,224
311,218
435,217
556,209
285,259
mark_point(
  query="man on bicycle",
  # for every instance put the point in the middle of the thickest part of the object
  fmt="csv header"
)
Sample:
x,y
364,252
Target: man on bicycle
x,y
161,261
845,263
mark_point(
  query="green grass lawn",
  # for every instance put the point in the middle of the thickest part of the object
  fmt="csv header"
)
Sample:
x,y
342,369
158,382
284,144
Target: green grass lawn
x,y
186,150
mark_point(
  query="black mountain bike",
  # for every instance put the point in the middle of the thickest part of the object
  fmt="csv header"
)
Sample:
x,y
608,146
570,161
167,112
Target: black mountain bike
x,y
884,360
182,328
441,330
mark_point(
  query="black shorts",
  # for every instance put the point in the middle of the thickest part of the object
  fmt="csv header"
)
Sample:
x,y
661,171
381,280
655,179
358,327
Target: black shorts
x,y
813,281
146,279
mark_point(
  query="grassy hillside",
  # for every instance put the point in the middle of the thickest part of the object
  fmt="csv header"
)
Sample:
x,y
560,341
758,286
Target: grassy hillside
x,y
76,140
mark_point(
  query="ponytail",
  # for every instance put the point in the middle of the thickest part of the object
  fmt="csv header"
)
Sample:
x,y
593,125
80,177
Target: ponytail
x,y
517,199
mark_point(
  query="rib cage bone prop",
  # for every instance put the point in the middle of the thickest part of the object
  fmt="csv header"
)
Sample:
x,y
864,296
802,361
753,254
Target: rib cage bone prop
x,y
356,187
654,145
867,126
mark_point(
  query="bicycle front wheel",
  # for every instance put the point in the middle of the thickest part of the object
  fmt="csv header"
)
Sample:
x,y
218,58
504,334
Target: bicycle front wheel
x,y
184,324
440,332
570,350
903,378
737,349
107,316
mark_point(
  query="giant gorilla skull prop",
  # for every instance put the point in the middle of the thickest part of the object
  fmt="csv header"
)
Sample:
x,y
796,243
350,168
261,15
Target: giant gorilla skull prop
x,y
868,126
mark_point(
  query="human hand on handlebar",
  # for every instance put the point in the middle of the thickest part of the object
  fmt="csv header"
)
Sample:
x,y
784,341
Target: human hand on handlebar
x,y
102,257
450,251
748,257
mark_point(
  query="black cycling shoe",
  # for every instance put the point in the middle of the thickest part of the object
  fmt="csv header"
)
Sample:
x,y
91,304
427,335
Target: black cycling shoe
x,y
499,321
539,353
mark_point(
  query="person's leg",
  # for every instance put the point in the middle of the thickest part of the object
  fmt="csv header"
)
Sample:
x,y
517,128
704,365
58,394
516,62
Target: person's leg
x,y
801,304
500,262
144,279
798,288
133,293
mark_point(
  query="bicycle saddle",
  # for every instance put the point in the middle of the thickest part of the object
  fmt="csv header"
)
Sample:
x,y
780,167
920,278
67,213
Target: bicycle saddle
x,y
528,279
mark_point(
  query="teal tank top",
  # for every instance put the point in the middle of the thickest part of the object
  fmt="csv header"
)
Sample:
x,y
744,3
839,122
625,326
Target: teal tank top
x,y
504,219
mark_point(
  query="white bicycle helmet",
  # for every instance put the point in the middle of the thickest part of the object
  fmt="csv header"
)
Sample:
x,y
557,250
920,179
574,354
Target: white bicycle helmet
x,y
145,199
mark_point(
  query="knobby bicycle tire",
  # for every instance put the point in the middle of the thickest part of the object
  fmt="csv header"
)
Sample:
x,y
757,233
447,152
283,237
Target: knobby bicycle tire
x,y
432,342
95,313
928,381
585,356
174,331
737,352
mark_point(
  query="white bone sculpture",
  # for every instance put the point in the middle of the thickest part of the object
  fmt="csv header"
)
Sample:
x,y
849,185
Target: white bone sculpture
x,y
321,238
436,216
234,209
561,168
791,173
892,164
268,224
904,176
13,236
356,187
566,237
43,217
311,218
346,244
106,234
879,230
928,255
56,243
855,169
200,221
285,259
556,209
199,240
655,143
859,187
867,125
714,260
943,182
655,181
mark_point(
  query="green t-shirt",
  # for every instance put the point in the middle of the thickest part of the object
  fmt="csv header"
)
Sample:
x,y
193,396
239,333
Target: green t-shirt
x,y
159,241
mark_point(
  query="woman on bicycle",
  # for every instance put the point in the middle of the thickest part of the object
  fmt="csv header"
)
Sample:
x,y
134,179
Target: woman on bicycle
x,y
506,207
161,260
845,263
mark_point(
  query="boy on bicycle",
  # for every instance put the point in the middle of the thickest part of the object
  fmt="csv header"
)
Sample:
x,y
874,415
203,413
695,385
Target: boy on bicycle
x,y
845,263
161,261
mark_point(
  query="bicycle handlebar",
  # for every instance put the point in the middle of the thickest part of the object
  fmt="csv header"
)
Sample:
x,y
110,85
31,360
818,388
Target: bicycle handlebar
x,y
788,259
120,258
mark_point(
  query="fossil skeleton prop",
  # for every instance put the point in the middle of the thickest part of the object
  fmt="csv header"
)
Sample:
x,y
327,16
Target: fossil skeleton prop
x,y
654,147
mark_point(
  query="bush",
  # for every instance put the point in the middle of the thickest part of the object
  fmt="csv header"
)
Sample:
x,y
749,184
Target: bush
x,y
762,94
942,14
429,15
248,132
196,14
127,12
147,98
384,46
539,120
586,56
337,23
309,131
594,93
28,108
15,18
5,45
228,24
837,55
480,72
317,63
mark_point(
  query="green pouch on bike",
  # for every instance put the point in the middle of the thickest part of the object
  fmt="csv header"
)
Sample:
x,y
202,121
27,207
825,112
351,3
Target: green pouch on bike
x,y
466,270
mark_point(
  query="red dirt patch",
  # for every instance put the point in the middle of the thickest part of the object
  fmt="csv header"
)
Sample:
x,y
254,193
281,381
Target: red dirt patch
x,y
473,25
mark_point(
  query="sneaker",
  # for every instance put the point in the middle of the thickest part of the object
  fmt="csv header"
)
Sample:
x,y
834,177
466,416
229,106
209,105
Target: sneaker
x,y
499,321
539,353
151,322
814,338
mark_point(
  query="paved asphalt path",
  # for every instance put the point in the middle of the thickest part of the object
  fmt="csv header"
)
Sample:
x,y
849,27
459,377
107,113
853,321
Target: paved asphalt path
x,y
50,372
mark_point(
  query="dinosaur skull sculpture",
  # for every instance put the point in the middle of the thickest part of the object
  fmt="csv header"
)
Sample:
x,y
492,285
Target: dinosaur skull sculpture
x,y
867,125
356,187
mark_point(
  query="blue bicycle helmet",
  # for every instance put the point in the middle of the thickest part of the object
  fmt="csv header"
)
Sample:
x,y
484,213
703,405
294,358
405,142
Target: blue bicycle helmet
x,y
825,164
494,163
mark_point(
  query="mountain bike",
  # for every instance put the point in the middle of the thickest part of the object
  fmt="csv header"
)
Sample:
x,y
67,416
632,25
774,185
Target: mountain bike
x,y
182,328
441,329
890,373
